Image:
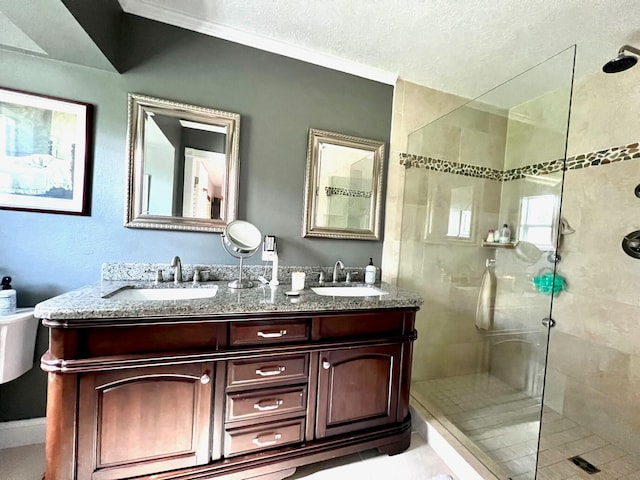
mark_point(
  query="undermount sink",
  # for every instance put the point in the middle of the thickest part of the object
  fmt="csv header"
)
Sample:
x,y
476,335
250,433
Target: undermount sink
x,y
151,294
349,291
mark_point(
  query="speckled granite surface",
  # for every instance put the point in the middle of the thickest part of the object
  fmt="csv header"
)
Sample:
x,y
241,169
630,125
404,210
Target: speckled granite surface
x,y
93,301
147,272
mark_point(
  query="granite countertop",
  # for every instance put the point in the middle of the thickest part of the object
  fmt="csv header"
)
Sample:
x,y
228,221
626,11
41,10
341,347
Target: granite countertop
x,y
89,302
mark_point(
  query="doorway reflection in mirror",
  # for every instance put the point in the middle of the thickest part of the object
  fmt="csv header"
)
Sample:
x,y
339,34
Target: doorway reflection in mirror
x,y
183,181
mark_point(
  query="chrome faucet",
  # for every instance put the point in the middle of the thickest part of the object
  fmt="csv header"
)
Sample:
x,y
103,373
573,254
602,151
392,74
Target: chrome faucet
x,y
335,270
177,264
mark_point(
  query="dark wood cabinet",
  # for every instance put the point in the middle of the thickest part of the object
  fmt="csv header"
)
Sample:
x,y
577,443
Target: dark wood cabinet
x,y
245,397
144,420
357,388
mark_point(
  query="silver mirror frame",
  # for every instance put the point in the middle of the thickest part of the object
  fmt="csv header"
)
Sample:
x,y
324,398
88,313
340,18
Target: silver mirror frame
x,y
138,105
309,227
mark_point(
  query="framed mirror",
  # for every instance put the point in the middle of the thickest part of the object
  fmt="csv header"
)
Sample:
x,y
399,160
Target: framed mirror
x,y
183,167
343,188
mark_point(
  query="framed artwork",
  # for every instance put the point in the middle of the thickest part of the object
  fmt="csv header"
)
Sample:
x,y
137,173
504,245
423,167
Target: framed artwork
x,y
44,153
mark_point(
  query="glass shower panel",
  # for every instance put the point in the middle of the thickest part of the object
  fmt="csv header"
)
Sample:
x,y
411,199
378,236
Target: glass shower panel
x,y
479,361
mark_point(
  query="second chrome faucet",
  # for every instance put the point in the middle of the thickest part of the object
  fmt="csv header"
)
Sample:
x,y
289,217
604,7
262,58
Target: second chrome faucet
x,y
176,264
338,265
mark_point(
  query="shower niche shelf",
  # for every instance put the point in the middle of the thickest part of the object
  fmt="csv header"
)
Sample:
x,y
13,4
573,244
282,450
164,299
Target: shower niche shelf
x,y
499,245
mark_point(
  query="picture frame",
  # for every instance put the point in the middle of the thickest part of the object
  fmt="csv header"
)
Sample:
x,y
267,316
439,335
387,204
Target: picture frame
x,y
45,147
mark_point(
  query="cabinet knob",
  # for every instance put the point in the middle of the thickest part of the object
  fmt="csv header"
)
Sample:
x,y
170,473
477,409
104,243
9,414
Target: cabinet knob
x,y
205,378
326,365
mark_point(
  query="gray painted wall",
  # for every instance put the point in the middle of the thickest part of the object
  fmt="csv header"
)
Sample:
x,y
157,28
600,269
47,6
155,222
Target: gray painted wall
x,y
278,99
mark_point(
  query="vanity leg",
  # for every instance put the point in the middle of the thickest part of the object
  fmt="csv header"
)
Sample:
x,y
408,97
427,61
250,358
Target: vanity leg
x,y
60,447
397,447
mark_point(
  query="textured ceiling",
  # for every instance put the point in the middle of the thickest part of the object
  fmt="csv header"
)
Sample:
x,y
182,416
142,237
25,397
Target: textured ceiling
x,y
459,46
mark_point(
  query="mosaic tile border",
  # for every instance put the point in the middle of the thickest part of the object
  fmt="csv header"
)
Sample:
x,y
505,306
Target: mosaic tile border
x,y
348,192
439,165
537,169
584,160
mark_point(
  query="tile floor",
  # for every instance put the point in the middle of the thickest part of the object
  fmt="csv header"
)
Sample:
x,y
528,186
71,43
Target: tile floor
x,y
22,463
419,462
502,422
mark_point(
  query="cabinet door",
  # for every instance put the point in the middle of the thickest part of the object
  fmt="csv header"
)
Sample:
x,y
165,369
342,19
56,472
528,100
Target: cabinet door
x,y
357,388
143,420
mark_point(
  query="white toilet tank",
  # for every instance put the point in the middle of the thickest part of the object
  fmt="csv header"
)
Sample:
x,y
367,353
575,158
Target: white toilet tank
x,y
17,343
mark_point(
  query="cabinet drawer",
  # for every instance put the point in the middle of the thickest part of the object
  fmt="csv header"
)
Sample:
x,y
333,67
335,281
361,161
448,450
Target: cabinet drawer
x,y
267,332
360,325
245,440
97,342
291,368
264,403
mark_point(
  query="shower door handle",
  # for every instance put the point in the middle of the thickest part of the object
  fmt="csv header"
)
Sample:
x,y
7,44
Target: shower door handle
x,y
548,322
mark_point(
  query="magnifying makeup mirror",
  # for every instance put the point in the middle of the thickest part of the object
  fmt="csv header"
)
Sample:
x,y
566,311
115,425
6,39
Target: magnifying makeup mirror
x,y
242,240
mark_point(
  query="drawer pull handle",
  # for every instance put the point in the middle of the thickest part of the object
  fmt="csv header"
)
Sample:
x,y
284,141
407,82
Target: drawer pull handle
x,y
205,378
278,334
270,371
274,405
265,443
326,365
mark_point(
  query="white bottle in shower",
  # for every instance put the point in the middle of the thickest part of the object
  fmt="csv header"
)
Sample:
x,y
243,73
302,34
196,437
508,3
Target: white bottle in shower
x,y
504,234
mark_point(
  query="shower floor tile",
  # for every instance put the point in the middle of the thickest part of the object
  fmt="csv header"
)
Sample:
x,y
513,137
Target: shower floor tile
x,y
503,422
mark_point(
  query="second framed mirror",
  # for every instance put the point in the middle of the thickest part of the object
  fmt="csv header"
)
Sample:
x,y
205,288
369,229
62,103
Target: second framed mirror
x,y
343,188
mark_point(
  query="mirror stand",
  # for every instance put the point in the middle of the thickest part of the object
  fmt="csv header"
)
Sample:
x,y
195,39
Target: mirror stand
x,y
240,282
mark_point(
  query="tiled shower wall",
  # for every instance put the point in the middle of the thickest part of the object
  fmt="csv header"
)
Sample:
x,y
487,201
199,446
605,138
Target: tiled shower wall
x,y
467,150
594,356
447,274
593,372
413,106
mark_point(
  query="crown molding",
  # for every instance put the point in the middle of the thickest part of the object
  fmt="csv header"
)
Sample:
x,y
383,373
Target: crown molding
x,y
152,11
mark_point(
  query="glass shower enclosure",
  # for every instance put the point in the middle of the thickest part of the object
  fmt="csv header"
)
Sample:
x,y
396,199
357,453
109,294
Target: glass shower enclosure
x,y
479,361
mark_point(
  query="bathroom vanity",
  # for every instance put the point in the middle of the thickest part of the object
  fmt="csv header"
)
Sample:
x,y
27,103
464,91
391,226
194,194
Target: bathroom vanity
x,y
244,384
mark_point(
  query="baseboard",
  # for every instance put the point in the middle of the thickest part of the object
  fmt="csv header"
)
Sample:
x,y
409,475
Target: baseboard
x,y
461,462
22,432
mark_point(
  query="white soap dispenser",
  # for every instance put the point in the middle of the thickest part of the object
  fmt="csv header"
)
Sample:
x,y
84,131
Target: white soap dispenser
x,y
7,297
370,273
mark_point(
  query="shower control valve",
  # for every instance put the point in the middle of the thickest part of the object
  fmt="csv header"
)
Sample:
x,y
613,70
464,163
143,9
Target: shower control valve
x,y
548,322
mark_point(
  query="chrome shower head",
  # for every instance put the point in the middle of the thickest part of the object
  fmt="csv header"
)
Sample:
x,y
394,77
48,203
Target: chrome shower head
x,y
622,62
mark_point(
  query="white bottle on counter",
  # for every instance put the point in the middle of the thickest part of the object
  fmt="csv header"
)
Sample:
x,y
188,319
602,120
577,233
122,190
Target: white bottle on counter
x,y
370,273
7,297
